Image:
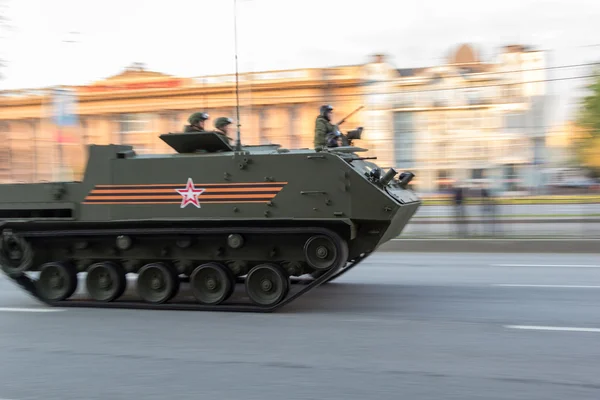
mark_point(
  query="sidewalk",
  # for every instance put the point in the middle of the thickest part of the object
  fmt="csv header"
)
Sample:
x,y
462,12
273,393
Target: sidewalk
x,y
591,198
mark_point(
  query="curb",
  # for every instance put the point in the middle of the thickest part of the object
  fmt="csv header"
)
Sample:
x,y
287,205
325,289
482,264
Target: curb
x,y
492,246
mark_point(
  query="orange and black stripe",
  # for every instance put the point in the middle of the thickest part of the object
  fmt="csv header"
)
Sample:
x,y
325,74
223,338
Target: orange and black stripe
x,y
259,192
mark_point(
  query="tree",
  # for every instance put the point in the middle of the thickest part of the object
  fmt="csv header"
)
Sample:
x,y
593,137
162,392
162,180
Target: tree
x,y
588,142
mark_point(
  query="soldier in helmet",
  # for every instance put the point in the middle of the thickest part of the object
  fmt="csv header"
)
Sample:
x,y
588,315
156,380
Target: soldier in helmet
x,y
222,125
324,129
196,121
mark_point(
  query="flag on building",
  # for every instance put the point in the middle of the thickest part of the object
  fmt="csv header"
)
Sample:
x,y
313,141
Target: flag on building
x,y
63,111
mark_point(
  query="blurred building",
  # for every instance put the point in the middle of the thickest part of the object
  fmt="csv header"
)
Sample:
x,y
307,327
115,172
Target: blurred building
x,y
466,119
136,106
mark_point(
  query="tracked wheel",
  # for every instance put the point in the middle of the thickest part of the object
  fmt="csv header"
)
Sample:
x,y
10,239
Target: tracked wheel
x,y
106,281
157,283
267,284
212,283
320,252
57,281
16,254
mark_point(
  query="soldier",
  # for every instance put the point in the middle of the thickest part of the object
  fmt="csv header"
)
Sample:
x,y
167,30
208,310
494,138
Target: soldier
x,y
324,129
196,121
222,125
334,141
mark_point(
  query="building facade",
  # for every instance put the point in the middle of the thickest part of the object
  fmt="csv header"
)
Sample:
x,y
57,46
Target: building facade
x,y
468,122
450,123
136,106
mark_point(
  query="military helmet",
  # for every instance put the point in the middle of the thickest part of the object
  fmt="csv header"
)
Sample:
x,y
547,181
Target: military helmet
x,y
222,121
196,117
325,109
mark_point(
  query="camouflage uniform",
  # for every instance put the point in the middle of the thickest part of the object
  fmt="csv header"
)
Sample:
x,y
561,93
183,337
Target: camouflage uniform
x,y
220,124
193,120
324,129
191,128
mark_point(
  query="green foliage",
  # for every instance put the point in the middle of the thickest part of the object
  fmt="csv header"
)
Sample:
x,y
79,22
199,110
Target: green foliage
x,y
589,117
588,145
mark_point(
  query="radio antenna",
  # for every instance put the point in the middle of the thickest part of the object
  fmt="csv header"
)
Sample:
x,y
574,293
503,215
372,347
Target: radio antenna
x,y
238,143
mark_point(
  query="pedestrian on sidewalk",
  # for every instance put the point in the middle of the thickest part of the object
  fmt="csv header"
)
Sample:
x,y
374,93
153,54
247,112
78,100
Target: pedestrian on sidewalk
x,y
459,208
488,210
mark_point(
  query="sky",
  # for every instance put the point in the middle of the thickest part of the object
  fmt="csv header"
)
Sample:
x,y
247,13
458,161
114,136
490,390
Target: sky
x,y
196,37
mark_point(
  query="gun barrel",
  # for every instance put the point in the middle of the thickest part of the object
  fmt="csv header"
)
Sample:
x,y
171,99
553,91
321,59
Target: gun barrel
x,y
349,115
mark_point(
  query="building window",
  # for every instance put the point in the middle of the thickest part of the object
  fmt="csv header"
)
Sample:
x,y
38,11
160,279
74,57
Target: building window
x,y
404,138
477,173
474,96
510,177
135,130
440,97
515,122
134,123
295,138
538,151
262,126
173,119
444,181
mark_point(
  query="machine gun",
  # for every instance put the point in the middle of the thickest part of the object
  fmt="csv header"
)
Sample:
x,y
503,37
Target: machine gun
x,y
349,136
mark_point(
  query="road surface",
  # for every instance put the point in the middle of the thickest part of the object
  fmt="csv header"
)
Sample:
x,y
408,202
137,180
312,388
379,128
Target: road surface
x,y
400,326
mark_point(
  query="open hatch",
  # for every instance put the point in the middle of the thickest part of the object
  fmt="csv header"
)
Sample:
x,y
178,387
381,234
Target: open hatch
x,y
192,142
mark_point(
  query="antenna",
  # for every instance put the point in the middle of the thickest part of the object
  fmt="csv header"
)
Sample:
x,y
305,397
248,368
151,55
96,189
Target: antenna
x,y
238,143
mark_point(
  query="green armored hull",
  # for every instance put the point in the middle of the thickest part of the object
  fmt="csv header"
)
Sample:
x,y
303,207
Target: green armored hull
x,y
208,215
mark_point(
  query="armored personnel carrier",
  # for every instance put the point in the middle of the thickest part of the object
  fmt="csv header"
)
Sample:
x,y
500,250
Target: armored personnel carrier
x,y
209,214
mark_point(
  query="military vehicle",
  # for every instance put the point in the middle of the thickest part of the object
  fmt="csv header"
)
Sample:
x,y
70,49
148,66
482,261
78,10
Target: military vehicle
x,y
210,212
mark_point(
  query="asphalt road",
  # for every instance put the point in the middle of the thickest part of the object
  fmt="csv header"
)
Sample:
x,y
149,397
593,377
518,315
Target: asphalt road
x,y
401,326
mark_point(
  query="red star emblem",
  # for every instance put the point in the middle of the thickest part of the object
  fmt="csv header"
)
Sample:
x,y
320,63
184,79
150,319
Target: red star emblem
x,y
190,194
